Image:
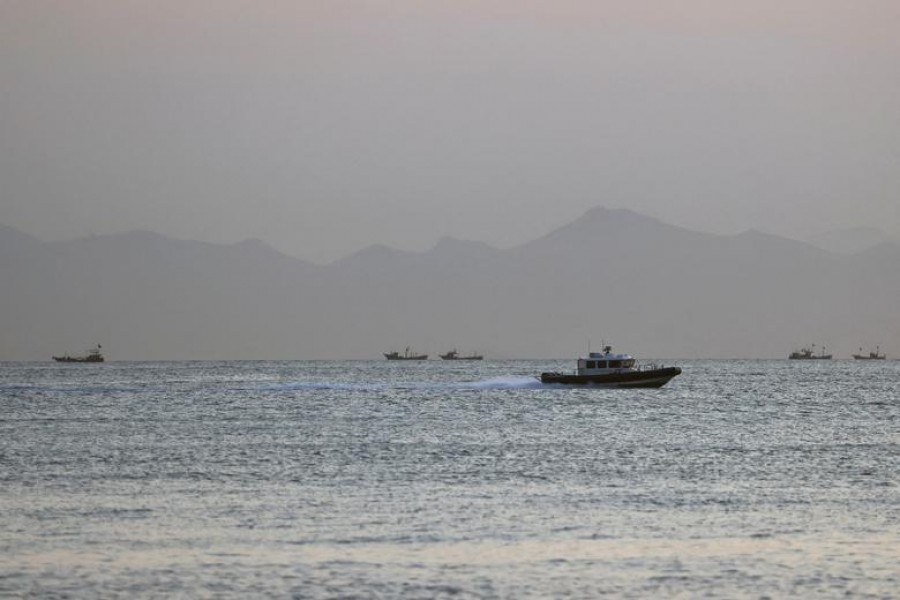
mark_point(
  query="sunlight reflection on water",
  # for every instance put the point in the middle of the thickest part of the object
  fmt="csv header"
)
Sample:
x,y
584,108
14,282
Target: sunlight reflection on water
x,y
740,478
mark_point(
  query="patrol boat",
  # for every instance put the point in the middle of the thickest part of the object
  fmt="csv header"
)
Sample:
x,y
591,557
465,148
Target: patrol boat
x,y
605,369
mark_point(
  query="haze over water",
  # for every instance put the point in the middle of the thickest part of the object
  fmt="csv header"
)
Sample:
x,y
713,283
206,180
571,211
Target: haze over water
x,y
377,479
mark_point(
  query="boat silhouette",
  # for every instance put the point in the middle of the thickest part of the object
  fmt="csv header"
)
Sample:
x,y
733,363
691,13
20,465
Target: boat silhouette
x,y
405,356
605,369
93,356
454,355
871,355
808,354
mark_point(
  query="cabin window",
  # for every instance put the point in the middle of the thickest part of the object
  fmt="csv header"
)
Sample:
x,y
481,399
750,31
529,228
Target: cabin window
x,y
601,364
590,364
628,364
615,364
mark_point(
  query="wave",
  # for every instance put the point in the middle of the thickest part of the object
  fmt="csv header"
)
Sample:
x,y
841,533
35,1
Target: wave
x,y
504,383
493,383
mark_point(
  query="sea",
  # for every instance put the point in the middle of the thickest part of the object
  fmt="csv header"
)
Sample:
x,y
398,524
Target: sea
x,y
377,479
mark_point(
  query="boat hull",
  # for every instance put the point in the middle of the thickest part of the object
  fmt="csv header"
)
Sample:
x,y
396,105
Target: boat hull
x,y
74,359
650,378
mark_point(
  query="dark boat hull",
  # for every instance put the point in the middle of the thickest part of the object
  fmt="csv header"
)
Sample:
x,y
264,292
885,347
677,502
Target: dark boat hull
x,y
416,357
74,359
650,378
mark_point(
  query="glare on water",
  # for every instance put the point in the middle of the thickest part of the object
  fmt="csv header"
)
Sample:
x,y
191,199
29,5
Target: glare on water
x,y
335,479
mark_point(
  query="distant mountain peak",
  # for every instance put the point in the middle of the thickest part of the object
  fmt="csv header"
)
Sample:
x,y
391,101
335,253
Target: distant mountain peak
x,y
603,218
262,249
601,222
133,235
450,244
602,212
255,245
373,253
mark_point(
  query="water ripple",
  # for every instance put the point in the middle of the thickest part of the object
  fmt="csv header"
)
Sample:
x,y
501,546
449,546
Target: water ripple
x,y
367,479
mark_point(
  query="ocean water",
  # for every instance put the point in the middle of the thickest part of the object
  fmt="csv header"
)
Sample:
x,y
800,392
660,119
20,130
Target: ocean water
x,y
448,480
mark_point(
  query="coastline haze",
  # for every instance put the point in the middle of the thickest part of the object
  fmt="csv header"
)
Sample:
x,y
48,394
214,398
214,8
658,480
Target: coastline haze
x,y
651,288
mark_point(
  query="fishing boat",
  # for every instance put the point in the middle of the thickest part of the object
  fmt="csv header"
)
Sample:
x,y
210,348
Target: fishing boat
x,y
405,356
454,355
92,356
808,354
606,369
871,355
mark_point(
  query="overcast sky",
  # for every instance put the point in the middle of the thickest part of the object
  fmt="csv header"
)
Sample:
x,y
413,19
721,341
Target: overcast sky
x,y
325,126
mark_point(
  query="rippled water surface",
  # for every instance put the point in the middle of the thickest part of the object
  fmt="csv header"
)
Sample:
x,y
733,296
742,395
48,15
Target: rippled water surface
x,y
435,479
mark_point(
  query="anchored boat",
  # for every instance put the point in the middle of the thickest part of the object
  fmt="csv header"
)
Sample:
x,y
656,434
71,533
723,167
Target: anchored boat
x,y
454,355
871,355
807,354
405,356
93,356
606,369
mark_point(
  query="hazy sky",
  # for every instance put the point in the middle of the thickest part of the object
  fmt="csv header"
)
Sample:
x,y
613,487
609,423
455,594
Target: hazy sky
x,y
324,126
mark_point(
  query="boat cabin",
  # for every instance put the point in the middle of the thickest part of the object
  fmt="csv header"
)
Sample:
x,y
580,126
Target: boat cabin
x,y
600,363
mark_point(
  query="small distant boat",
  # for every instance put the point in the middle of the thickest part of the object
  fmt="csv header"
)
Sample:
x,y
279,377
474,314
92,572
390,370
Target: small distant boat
x,y
454,355
808,354
871,355
405,356
605,369
92,356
